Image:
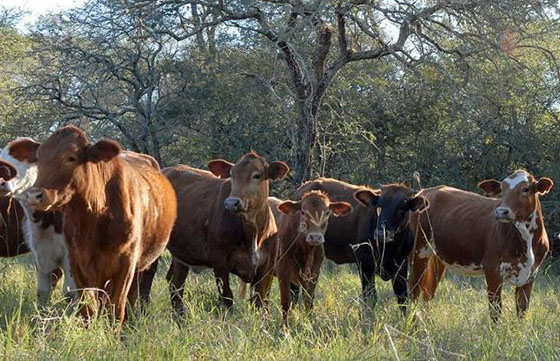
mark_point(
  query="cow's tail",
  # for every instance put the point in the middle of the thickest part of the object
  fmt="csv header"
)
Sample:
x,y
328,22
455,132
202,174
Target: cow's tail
x,y
242,290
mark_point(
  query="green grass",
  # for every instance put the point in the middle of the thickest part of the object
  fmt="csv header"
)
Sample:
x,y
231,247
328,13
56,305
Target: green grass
x,y
454,326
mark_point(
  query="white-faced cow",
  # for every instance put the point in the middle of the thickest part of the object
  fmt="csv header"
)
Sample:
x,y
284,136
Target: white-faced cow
x,y
43,230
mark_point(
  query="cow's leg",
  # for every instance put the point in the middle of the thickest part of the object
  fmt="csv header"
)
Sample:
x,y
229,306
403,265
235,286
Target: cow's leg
x,y
122,282
222,280
44,287
400,286
295,291
176,277
284,282
261,287
69,284
145,280
367,276
494,292
309,291
522,297
432,276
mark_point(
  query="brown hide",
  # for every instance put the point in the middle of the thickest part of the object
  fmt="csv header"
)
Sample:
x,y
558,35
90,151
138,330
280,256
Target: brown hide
x,y
118,214
470,236
206,235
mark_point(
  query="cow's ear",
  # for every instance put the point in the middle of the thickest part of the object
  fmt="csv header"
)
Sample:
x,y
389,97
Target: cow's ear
x,y
544,185
367,197
277,170
417,203
24,150
490,187
7,171
103,150
220,168
340,209
288,207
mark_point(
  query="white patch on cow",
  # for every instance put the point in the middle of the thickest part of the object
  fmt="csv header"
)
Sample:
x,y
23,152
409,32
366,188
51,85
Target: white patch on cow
x,y
50,252
517,178
518,274
425,252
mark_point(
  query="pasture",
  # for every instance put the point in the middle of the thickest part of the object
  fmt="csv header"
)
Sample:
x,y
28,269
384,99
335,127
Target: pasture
x,y
454,326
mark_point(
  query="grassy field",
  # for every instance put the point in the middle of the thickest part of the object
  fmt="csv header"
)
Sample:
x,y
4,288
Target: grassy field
x,y
455,326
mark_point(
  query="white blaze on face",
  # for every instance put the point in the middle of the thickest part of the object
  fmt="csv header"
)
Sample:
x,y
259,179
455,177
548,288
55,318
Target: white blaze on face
x,y
516,178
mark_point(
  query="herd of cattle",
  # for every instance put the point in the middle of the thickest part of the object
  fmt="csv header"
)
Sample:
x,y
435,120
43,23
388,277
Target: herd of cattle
x,y
104,216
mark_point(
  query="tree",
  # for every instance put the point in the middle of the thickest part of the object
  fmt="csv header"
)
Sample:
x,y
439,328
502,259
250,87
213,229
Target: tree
x,y
316,39
102,62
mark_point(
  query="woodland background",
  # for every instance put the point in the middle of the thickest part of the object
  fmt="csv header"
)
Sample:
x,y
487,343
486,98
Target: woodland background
x,y
364,91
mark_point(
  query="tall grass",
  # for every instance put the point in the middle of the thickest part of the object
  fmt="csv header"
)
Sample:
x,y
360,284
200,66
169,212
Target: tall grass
x,y
456,325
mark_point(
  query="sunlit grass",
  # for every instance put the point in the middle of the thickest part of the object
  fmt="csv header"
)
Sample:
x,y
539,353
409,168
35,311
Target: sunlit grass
x,y
455,325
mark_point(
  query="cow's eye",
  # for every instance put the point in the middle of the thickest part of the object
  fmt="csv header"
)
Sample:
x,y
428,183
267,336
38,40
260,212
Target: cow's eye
x,y
256,176
525,190
71,159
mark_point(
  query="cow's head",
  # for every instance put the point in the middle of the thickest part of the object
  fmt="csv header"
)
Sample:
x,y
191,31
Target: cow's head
x,y
7,173
68,163
20,155
394,202
315,209
249,181
519,193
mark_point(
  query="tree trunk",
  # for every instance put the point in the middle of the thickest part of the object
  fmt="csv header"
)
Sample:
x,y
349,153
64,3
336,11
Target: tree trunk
x,y
305,140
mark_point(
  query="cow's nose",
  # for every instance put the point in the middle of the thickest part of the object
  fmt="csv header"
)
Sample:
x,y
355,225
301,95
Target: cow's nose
x,y
315,239
233,204
503,213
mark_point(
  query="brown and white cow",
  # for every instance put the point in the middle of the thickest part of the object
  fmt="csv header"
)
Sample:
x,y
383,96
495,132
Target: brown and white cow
x,y
300,251
503,239
224,218
118,213
42,230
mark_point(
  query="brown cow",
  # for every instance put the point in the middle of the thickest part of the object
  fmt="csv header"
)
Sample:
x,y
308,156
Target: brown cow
x,y
300,244
118,214
223,220
502,239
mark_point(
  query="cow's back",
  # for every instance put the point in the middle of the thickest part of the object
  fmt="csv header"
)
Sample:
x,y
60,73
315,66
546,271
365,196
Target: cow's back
x,y
459,222
12,241
344,231
198,193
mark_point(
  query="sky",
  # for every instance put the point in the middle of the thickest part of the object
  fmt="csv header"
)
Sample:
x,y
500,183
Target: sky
x,y
39,7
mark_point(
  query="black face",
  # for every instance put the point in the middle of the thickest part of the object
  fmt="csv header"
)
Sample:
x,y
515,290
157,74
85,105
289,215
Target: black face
x,y
394,206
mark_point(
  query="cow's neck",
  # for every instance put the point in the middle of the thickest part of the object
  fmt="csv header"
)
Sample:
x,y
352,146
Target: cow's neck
x,y
91,185
529,231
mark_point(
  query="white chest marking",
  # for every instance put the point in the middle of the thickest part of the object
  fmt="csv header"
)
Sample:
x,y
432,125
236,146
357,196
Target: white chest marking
x,y
519,273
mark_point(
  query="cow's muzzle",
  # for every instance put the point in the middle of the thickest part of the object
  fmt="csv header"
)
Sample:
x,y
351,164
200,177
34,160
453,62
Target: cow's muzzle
x,y
504,214
315,238
40,198
234,205
6,188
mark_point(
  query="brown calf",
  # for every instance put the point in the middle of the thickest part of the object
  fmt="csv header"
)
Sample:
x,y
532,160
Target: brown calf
x,y
223,220
118,214
502,239
300,244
